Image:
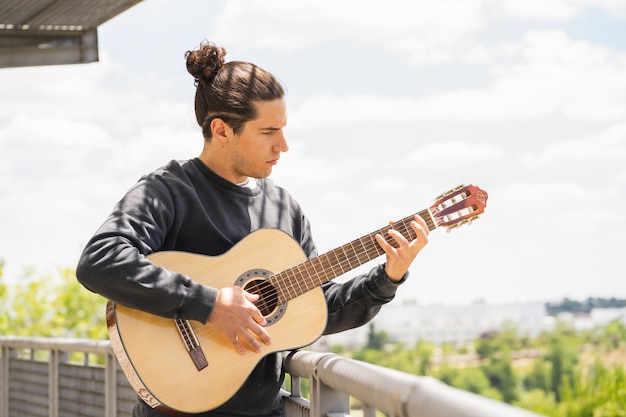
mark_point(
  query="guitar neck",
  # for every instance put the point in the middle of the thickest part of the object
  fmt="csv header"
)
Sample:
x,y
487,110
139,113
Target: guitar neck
x,y
311,274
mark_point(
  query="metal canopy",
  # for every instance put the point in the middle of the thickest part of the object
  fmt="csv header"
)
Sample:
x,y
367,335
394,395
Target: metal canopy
x,y
49,32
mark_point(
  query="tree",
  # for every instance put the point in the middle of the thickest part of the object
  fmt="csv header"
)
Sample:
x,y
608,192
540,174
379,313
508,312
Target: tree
x,y
614,335
51,305
501,376
506,339
563,358
376,340
425,351
540,376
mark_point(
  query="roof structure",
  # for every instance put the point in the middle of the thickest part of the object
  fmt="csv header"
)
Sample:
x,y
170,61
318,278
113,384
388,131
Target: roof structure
x,y
49,32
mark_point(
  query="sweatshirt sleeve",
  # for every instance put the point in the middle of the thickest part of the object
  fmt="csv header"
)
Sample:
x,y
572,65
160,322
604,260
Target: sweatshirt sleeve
x,y
356,302
114,262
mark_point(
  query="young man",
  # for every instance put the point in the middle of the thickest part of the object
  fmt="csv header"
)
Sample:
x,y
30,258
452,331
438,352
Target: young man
x,y
205,206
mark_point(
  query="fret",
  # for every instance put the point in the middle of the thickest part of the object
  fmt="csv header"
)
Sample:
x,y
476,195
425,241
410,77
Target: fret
x,y
299,274
363,256
306,278
316,274
346,257
407,231
294,281
379,250
336,263
279,282
322,271
354,255
428,217
326,267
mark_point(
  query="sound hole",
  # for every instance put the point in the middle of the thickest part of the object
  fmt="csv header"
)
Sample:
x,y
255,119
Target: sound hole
x,y
268,297
256,282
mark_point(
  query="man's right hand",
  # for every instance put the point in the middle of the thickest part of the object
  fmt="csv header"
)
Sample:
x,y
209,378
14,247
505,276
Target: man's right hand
x,y
236,317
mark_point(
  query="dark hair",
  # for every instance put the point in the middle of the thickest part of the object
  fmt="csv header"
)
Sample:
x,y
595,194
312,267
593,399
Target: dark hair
x,y
228,90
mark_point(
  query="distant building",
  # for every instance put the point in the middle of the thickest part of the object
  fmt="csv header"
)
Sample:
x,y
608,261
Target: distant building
x,y
596,317
409,323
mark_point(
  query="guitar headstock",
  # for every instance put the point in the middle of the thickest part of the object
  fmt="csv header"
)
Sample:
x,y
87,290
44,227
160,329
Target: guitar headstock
x,y
458,206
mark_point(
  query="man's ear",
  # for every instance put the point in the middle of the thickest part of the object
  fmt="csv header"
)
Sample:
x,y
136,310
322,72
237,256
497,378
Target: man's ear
x,y
221,131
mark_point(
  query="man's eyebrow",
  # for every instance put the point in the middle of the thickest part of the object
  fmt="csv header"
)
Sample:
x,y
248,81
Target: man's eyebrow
x,y
270,128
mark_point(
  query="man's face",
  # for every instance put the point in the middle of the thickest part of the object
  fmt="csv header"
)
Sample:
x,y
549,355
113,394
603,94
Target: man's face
x,y
256,149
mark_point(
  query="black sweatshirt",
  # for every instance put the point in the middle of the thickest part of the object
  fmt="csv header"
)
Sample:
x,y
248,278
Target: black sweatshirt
x,y
184,206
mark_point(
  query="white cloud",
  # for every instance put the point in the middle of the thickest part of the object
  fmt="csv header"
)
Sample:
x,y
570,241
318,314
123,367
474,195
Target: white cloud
x,y
595,160
444,155
291,26
551,10
427,32
546,74
604,148
541,10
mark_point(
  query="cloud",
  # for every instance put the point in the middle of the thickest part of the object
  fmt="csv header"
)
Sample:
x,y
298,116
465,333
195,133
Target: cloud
x,y
606,148
427,32
292,26
545,74
443,155
596,160
553,10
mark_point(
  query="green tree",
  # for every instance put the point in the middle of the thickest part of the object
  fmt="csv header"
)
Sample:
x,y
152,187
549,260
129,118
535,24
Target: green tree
x,y
51,305
540,377
501,376
506,339
614,335
562,357
472,380
376,340
603,392
424,351
540,402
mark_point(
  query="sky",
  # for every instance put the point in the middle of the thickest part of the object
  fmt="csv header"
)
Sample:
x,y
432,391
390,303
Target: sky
x,y
390,104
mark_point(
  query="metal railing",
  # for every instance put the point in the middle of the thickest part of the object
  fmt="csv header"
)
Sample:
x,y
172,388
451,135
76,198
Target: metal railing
x,y
60,377
41,377
334,379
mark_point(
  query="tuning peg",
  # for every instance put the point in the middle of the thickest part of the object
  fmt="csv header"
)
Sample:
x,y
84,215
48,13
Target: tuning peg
x,y
440,196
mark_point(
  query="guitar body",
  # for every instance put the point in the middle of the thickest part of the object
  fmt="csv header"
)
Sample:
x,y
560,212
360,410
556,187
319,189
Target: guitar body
x,y
152,353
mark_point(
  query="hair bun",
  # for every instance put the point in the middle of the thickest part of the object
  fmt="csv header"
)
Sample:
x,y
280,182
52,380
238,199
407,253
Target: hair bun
x,y
204,62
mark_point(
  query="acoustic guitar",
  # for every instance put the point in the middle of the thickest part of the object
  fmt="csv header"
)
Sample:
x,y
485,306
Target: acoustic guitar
x,y
182,366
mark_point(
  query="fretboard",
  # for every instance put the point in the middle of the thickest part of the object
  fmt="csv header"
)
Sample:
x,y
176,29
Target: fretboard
x,y
308,275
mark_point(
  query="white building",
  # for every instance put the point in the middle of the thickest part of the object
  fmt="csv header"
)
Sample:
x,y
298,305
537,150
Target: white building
x,y
411,322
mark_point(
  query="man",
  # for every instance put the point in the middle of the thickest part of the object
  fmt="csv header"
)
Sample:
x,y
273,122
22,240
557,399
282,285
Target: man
x,y
206,205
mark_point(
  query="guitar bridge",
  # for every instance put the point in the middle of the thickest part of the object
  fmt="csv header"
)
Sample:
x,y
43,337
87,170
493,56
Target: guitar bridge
x,y
192,344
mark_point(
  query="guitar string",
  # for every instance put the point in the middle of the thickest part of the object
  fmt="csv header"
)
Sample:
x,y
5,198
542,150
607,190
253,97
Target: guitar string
x,y
315,278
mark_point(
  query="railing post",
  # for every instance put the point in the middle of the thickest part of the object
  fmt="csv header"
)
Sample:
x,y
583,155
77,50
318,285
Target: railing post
x,y
4,380
110,389
53,383
326,401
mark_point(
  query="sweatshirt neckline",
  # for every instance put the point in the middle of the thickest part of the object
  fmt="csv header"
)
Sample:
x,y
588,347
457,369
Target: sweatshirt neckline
x,y
213,177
